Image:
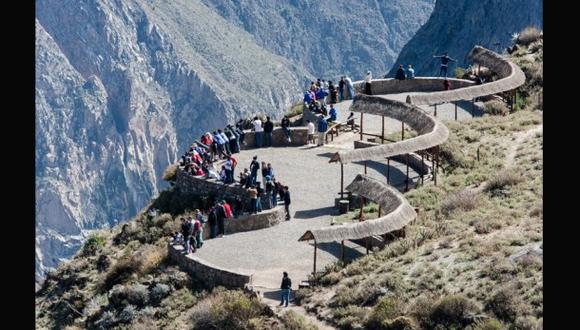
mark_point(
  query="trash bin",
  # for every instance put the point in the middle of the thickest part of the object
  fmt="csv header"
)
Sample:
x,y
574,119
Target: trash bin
x,y
343,206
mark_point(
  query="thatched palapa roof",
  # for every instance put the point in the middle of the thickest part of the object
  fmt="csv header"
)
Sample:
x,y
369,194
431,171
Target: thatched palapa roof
x,y
398,213
511,77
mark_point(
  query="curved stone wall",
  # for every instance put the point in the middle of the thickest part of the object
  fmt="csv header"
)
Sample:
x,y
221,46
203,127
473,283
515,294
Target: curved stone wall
x,y
419,84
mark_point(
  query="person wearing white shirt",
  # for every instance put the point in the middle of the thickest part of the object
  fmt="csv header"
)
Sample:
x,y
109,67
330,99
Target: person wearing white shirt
x,y
258,129
310,126
368,79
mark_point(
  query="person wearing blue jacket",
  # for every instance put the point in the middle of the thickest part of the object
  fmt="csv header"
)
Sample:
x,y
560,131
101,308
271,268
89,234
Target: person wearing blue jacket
x,y
322,127
321,95
332,113
307,97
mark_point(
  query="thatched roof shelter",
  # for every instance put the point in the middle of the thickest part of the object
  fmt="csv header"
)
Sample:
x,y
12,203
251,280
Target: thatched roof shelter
x,y
511,77
398,213
430,131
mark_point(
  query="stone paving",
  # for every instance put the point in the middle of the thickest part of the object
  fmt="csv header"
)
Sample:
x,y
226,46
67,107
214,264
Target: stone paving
x,y
314,184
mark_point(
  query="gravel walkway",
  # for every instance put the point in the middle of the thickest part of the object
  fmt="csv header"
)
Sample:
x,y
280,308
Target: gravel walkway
x,y
314,184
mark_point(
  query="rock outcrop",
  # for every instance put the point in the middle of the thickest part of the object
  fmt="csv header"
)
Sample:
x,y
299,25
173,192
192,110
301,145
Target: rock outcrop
x,y
121,88
457,26
330,38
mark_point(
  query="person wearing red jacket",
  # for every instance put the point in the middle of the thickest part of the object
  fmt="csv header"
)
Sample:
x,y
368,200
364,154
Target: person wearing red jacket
x,y
227,208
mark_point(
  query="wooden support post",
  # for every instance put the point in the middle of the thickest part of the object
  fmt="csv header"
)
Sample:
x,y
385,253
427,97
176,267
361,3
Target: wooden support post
x,y
367,244
342,250
422,168
365,167
383,131
478,152
388,170
379,211
472,107
515,97
315,246
361,125
402,131
407,180
435,161
479,69
455,110
435,110
362,204
341,181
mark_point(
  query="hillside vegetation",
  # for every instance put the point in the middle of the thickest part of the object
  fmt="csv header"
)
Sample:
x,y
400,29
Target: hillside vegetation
x,y
473,257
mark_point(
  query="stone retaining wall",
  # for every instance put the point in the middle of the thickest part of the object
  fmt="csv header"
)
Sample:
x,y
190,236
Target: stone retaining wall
x,y
299,138
210,274
265,219
420,84
187,183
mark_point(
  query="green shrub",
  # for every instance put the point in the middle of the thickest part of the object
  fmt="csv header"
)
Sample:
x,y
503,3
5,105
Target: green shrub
x,y
295,321
454,311
386,310
93,244
452,155
502,180
459,72
120,272
505,304
136,294
496,107
226,310
489,324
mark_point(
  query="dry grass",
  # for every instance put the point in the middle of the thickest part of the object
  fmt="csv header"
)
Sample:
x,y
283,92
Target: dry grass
x,y
464,200
170,172
496,107
529,35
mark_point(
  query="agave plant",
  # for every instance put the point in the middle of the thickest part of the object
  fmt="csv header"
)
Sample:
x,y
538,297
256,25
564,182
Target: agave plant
x,y
515,36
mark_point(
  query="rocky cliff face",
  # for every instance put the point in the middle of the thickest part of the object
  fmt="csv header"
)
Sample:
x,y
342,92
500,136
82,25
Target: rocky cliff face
x,y
457,26
121,88
327,37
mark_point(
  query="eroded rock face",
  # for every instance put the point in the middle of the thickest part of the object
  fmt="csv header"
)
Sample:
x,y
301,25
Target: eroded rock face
x,y
457,26
122,87
330,38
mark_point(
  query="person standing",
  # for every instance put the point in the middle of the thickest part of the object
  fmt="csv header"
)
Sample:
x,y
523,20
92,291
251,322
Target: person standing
x,y
198,228
254,167
264,171
368,79
350,87
311,128
410,72
286,127
445,59
260,192
229,167
186,230
341,84
332,113
258,130
286,288
253,193
221,216
287,202
268,128
400,75
322,127
212,220
269,190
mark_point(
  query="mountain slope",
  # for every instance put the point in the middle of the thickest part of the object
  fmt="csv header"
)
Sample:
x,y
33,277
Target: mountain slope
x,y
122,88
457,26
330,38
